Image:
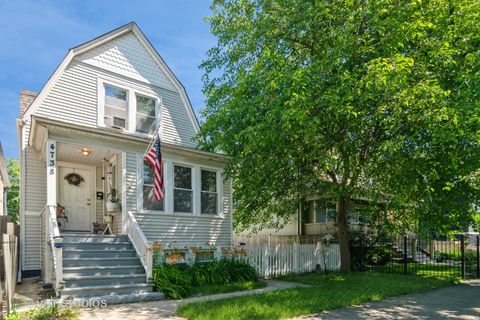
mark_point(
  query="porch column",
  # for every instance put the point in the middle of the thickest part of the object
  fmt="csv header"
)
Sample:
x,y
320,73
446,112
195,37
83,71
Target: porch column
x,y
51,159
51,172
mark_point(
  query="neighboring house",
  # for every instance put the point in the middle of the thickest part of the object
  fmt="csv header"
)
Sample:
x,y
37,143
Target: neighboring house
x,y
4,183
83,139
314,219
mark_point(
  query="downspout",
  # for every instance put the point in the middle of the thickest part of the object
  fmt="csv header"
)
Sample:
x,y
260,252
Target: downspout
x,y
21,143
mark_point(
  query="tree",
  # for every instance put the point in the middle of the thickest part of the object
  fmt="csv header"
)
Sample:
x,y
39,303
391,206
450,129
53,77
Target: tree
x,y
13,198
377,99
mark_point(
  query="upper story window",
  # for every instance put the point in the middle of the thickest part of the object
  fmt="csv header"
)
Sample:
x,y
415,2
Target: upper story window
x,y
182,189
145,115
149,201
116,106
209,194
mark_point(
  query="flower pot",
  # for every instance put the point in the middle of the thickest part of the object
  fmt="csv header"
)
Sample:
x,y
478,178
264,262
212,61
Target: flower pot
x,y
59,212
112,206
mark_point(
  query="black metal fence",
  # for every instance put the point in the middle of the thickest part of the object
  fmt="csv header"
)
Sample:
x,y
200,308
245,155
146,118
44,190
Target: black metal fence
x,y
436,256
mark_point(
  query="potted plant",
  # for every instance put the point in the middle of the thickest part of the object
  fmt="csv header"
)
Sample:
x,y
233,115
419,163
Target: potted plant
x,y
61,214
113,203
60,210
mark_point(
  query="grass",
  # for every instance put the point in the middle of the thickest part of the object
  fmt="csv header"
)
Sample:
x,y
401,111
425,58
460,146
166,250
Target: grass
x,y
335,291
45,312
230,287
425,270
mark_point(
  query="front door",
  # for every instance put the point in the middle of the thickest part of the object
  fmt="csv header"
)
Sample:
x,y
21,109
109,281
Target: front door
x,y
76,198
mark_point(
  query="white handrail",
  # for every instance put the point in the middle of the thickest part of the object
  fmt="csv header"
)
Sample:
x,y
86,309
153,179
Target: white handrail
x,y
140,242
53,264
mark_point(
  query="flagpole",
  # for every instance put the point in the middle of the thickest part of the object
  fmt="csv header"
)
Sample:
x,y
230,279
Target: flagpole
x,y
157,130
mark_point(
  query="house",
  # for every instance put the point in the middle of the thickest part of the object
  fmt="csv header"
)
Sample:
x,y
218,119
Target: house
x,y
83,139
312,221
4,183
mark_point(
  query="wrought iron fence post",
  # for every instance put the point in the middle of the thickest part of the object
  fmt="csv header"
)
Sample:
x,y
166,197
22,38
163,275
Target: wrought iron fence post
x,y
478,256
462,250
361,255
405,255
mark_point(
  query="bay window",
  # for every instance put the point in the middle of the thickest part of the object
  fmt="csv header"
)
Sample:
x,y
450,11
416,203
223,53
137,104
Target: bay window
x,y
182,189
208,196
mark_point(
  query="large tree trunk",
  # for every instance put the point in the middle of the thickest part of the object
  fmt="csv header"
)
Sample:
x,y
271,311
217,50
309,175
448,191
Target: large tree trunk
x,y
342,233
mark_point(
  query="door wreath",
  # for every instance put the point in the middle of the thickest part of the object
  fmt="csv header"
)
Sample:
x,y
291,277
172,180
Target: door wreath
x,y
74,179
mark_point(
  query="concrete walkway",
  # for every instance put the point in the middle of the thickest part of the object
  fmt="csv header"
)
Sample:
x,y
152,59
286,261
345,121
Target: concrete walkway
x,y
460,301
166,309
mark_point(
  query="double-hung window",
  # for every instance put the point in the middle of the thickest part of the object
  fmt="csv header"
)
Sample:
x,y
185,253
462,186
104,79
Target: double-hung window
x,y
149,201
116,105
209,193
182,189
145,117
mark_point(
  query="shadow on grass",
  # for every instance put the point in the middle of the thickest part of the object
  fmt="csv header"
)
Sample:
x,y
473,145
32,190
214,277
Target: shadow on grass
x,y
335,291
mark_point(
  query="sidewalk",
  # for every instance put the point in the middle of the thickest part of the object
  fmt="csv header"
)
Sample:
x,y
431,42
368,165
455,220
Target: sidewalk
x,y
166,309
461,301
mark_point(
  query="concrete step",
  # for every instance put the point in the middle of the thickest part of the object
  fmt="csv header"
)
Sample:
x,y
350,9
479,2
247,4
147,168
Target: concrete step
x,y
100,301
101,271
97,246
111,280
94,238
106,290
99,253
97,262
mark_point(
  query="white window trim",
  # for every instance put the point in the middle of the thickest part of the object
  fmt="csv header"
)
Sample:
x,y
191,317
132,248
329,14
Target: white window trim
x,y
158,110
132,92
219,186
194,183
168,174
140,188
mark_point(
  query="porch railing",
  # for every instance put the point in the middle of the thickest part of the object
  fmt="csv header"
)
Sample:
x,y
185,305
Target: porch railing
x,y
142,245
52,248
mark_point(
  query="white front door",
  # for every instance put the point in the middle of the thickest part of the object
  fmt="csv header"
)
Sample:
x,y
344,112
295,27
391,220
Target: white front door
x,y
77,199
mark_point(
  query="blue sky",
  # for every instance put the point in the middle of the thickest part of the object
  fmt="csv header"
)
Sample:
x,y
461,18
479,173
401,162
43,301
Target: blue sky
x,y
35,36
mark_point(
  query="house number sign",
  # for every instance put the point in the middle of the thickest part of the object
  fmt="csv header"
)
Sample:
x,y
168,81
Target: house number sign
x,y
52,157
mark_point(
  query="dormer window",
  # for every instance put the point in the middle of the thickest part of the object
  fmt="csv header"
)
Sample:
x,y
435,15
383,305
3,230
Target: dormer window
x,y
116,107
145,115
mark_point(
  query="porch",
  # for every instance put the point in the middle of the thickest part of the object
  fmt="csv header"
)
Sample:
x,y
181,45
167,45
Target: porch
x,y
88,189
91,246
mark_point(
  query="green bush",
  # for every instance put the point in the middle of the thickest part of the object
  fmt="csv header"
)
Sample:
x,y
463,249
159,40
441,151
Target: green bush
x,y
176,281
45,313
380,256
173,281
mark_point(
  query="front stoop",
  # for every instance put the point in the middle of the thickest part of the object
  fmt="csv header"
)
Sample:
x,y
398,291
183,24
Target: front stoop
x,y
103,268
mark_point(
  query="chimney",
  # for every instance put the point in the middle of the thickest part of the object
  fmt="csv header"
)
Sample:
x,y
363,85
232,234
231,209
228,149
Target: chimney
x,y
26,99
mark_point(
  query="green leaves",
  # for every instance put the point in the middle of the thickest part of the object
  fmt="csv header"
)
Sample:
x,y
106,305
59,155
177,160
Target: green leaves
x,y
373,99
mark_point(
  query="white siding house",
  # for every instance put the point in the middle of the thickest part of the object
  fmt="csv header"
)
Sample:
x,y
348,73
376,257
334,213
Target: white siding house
x,y
95,118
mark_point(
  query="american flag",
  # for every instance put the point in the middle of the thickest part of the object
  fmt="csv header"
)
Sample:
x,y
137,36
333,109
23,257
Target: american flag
x,y
154,158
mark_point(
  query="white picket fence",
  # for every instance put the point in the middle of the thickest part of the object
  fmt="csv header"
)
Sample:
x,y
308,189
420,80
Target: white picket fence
x,y
293,258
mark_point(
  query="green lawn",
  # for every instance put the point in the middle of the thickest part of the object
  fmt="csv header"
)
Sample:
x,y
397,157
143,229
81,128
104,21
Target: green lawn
x,y
336,291
230,287
425,270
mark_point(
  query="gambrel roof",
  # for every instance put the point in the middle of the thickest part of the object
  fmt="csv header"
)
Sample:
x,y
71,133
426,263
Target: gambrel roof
x,y
93,53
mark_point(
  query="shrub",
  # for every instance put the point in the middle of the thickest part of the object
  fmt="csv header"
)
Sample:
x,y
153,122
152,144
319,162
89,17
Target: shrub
x,y
176,281
380,256
45,312
173,281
